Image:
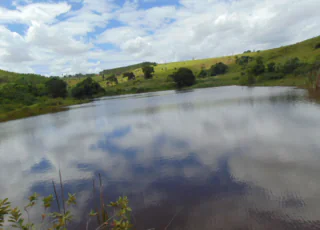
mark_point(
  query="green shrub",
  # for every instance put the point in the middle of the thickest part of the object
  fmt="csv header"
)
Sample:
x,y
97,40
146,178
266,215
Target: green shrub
x,y
219,68
183,77
87,89
56,87
290,65
256,68
203,73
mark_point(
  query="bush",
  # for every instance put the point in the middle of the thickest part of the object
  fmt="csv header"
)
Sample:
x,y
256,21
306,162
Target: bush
x,y
219,68
271,67
203,73
291,65
87,89
129,75
183,77
56,87
317,46
257,68
112,78
243,60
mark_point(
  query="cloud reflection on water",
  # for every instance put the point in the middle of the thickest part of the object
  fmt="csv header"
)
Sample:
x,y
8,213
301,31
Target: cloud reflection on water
x,y
250,148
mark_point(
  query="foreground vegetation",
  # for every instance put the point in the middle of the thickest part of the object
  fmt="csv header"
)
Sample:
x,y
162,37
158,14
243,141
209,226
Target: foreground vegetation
x,y
298,65
62,217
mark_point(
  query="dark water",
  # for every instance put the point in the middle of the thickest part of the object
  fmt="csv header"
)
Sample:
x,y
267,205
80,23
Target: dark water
x,y
220,158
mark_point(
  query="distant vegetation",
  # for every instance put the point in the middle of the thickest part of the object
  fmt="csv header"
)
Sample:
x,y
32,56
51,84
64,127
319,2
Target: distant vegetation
x,y
129,75
120,70
183,77
56,87
87,89
148,71
30,94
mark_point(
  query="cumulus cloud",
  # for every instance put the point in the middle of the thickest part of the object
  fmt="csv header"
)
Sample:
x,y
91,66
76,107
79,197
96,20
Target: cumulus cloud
x,y
172,32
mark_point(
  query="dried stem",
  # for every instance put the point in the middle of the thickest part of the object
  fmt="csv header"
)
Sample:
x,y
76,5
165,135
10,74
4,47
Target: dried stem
x,y
95,201
56,194
172,219
62,193
25,209
103,211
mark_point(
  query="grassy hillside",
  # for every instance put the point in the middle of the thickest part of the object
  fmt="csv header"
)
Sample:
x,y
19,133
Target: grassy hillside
x,y
121,70
305,51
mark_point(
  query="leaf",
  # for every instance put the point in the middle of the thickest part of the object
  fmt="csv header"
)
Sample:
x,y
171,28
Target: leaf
x,y
71,199
93,213
47,201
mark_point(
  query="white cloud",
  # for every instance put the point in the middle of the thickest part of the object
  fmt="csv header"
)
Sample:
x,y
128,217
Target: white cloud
x,y
202,28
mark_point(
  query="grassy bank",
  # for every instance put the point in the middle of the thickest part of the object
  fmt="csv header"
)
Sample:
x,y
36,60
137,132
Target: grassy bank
x,y
49,106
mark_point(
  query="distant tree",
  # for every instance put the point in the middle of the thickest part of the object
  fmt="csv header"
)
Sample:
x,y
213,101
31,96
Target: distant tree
x,y
129,75
56,87
271,67
248,51
219,68
256,68
87,89
243,60
148,72
203,73
290,65
113,78
183,77
103,77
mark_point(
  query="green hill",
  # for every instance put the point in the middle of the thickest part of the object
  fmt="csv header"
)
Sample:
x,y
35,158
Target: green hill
x,y
308,53
293,65
120,70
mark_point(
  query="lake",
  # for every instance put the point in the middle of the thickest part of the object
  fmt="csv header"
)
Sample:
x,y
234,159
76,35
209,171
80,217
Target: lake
x,y
217,158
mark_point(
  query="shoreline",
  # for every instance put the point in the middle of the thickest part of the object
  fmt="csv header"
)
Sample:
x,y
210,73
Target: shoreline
x,y
37,110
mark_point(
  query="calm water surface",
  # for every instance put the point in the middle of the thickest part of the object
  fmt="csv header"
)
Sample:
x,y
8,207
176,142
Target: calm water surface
x,y
219,158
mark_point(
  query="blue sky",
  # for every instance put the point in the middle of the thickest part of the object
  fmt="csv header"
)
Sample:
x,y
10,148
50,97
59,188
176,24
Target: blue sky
x,y
52,37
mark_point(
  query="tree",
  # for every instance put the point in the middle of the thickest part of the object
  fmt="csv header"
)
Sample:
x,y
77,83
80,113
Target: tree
x,y
291,65
271,67
148,72
183,77
129,75
203,73
243,60
219,68
256,68
56,87
87,89
113,78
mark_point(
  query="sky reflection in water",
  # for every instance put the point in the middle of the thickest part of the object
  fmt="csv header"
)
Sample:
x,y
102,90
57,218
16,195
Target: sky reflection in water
x,y
229,157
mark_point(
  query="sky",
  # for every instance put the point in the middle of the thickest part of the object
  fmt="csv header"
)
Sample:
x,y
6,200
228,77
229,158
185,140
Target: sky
x,y
59,37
